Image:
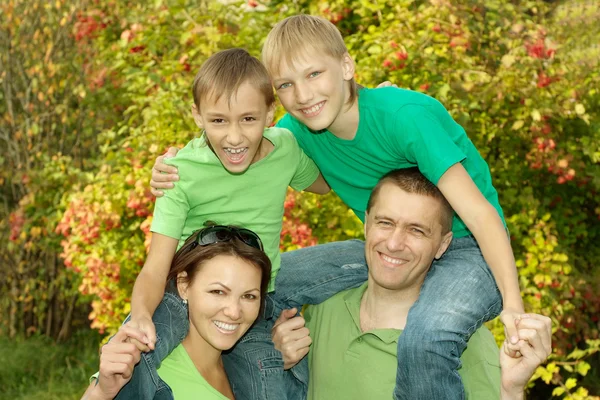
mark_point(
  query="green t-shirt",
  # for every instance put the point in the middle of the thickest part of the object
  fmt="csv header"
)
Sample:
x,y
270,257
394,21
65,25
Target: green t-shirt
x,y
179,372
397,129
254,199
345,363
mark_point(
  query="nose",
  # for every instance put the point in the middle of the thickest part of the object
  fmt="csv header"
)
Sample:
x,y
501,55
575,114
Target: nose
x,y
233,309
303,93
397,240
235,136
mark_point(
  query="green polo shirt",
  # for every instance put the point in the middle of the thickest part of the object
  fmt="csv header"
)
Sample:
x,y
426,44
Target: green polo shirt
x,y
346,363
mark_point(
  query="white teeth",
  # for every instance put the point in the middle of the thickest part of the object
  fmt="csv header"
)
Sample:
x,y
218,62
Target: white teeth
x,y
392,260
235,151
313,109
226,327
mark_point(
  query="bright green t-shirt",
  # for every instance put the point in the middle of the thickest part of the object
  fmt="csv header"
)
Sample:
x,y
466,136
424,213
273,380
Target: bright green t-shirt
x,y
397,129
345,363
254,199
179,372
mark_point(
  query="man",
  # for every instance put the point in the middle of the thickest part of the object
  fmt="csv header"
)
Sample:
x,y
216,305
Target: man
x,y
354,334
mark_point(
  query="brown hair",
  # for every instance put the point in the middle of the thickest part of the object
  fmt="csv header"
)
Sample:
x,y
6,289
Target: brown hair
x,y
224,72
411,180
190,259
300,36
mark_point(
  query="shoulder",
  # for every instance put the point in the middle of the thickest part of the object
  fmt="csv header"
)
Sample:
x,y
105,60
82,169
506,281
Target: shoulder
x,y
282,138
397,100
195,151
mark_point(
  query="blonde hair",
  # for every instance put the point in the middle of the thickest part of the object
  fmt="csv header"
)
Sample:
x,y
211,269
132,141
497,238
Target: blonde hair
x,y
299,36
224,72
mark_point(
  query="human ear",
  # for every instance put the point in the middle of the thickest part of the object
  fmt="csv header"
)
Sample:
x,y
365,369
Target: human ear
x,y
347,67
446,240
182,284
270,115
197,117
365,224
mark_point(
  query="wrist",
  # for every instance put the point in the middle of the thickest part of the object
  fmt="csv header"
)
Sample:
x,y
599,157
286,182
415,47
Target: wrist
x,y
97,394
512,393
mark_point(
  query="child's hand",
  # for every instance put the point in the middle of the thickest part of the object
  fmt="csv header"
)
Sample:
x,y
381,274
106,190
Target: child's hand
x,y
291,337
146,327
510,319
163,175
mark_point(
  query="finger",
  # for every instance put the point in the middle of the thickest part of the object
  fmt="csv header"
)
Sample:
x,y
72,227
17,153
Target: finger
x,y
156,193
161,167
285,329
172,152
140,346
511,349
294,335
542,324
510,321
285,315
531,337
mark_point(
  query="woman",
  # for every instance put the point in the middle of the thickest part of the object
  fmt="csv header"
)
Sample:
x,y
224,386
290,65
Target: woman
x,y
222,275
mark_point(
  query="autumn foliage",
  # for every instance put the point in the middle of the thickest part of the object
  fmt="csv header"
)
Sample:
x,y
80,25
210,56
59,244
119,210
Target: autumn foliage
x,y
94,91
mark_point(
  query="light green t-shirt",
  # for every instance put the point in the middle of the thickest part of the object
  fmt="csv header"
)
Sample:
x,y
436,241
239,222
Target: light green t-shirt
x,y
397,129
179,372
253,199
345,363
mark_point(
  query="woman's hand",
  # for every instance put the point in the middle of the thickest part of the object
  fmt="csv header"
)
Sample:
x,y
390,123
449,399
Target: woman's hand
x,y
119,357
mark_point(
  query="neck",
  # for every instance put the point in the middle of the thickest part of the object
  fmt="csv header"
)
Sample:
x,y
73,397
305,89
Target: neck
x,y
382,308
205,357
346,123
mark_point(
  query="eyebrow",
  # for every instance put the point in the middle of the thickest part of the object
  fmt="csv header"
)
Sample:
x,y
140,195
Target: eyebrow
x,y
416,224
226,287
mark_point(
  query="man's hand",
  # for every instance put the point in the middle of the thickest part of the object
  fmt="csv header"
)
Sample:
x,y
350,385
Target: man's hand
x,y
534,346
146,327
291,337
118,358
163,175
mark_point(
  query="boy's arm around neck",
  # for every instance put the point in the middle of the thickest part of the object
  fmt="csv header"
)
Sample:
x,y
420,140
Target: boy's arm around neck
x,y
149,287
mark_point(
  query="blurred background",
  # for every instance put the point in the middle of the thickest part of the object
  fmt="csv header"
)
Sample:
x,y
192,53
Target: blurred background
x,y
92,91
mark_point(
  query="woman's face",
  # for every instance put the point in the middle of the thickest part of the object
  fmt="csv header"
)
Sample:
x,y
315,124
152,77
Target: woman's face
x,y
223,300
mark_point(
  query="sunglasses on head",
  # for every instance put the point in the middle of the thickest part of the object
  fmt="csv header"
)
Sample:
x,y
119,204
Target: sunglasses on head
x,y
221,233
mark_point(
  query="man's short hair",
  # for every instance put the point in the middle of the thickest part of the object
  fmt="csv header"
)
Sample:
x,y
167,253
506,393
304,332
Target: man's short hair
x,y
411,180
300,37
224,72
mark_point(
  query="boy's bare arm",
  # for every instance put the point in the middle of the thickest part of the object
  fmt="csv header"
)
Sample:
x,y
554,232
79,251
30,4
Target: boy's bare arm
x,y
483,221
319,186
149,286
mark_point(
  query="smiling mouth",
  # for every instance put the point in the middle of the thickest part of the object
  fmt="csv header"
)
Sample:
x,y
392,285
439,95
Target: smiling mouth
x,y
314,110
225,328
392,260
235,155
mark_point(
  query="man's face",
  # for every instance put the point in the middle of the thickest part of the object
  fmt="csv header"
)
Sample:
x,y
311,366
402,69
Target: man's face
x,y
314,88
403,236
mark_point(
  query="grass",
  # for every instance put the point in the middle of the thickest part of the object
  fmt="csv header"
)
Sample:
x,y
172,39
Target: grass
x,y
39,369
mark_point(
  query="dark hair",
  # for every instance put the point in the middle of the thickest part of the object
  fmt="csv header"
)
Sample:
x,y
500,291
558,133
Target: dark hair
x,y
189,260
224,72
411,180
